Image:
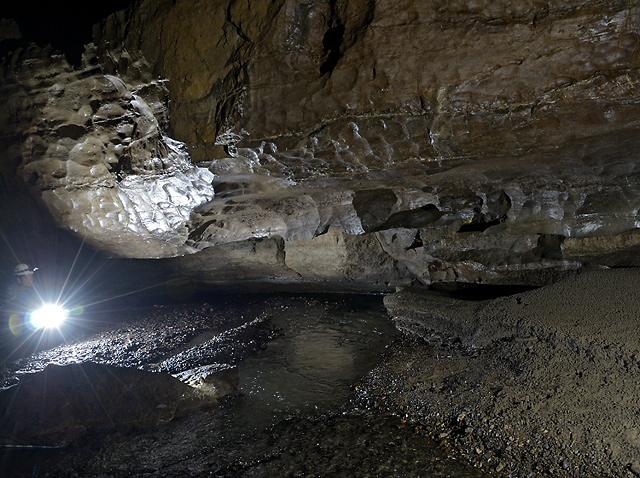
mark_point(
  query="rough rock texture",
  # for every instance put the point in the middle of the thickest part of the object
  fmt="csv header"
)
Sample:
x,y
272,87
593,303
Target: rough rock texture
x,y
364,84
495,222
355,144
196,343
63,403
134,369
92,151
540,382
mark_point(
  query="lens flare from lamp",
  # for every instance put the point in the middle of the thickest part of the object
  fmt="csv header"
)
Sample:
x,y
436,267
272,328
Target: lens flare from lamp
x,y
48,316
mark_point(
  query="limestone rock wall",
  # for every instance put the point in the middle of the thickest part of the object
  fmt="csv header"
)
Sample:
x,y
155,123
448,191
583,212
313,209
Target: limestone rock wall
x,y
365,84
522,221
92,151
339,144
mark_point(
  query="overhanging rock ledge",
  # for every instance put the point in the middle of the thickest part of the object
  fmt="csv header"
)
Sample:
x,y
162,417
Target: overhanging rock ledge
x,y
294,146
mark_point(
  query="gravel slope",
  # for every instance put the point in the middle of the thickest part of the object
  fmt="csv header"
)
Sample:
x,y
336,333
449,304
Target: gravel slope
x,y
538,383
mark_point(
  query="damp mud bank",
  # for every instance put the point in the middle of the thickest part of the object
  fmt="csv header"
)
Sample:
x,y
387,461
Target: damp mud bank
x,y
539,383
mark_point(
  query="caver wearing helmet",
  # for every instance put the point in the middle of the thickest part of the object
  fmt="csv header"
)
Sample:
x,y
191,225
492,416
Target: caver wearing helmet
x,y
24,274
19,296
23,270
21,286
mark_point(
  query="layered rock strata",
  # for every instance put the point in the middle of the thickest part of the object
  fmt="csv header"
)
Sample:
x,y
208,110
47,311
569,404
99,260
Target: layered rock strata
x,y
359,145
495,222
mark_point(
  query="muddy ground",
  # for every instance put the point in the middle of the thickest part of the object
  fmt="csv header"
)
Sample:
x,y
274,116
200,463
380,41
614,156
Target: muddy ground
x,y
291,414
537,383
540,383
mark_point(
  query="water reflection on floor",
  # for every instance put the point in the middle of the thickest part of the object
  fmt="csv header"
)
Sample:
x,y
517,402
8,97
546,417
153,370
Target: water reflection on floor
x,y
294,415
323,348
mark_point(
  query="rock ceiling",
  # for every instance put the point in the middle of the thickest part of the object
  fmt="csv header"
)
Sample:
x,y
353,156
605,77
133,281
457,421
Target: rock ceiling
x,y
339,145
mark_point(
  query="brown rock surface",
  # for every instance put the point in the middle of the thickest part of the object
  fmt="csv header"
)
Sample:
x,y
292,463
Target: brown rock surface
x,y
455,142
382,82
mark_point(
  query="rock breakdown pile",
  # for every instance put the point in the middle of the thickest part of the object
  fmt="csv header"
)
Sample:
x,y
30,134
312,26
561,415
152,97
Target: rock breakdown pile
x,y
157,364
343,145
538,383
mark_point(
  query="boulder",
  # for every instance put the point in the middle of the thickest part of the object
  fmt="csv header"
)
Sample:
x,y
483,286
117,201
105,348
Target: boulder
x,y
60,404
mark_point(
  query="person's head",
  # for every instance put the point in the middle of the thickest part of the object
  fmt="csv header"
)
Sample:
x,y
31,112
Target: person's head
x,y
24,274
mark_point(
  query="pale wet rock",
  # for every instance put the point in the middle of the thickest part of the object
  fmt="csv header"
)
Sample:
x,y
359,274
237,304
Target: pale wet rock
x,y
92,151
63,403
212,380
495,222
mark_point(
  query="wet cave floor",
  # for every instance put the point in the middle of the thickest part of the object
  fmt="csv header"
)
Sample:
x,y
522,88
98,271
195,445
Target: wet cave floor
x,y
295,409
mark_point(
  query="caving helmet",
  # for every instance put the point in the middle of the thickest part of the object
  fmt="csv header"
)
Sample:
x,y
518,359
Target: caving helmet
x,y
23,270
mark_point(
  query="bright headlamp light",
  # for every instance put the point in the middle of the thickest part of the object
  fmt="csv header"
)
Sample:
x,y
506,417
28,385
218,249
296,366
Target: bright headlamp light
x,y
47,317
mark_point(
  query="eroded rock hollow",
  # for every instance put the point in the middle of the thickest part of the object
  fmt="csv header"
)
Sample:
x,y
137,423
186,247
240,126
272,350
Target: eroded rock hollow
x,y
339,145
